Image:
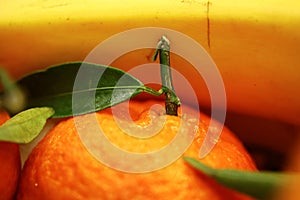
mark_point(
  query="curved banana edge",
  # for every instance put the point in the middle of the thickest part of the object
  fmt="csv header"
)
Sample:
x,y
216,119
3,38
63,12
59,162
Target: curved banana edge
x,y
255,44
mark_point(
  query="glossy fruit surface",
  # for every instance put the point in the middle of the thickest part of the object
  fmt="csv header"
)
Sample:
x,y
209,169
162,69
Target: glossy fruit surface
x,y
10,165
60,167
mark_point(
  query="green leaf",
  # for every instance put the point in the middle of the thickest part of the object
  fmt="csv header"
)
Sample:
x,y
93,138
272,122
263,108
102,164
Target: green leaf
x,y
260,185
78,88
25,126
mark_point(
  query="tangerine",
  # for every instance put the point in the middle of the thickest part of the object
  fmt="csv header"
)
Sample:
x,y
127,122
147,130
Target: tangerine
x,y
10,166
61,167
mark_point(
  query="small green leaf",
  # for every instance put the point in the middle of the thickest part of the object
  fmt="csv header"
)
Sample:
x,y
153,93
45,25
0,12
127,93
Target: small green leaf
x,y
25,126
78,88
260,185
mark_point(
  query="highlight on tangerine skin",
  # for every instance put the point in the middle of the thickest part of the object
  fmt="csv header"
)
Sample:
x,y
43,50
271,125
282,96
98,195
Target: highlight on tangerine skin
x,y
61,167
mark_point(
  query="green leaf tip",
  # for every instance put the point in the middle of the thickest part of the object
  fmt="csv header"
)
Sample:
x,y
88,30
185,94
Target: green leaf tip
x,y
26,125
259,185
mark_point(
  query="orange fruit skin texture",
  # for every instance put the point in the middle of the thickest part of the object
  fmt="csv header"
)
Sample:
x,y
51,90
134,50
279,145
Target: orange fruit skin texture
x,y
60,167
10,165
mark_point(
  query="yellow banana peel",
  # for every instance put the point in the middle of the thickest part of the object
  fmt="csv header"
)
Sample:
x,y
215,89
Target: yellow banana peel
x,y
255,44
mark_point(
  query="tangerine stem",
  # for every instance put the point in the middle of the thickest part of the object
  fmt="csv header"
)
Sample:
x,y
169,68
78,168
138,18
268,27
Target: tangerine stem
x,y
172,101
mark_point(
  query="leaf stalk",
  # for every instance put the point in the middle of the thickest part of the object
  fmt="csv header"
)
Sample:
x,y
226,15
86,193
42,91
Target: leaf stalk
x,y
172,101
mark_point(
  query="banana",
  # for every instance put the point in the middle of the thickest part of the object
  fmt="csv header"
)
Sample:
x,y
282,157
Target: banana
x,y
255,44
